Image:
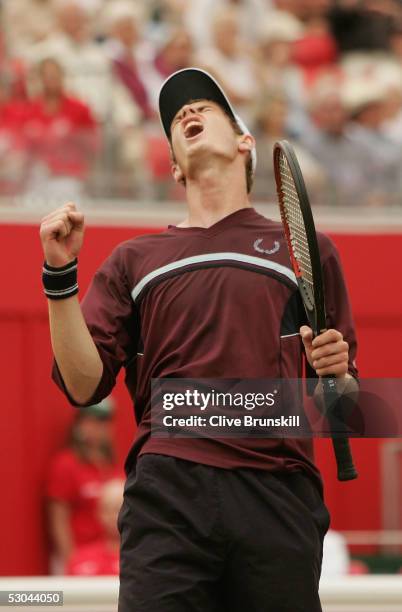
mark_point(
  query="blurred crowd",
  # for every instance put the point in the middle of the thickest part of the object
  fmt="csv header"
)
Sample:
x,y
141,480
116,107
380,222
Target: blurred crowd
x,y
79,82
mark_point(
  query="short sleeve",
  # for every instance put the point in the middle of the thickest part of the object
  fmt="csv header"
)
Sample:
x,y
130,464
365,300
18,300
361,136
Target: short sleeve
x,y
60,484
113,322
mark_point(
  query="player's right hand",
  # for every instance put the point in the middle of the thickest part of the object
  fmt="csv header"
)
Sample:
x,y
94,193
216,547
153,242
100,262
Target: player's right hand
x,y
62,235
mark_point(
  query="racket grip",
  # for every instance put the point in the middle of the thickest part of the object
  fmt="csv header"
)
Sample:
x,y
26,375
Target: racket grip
x,y
344,459
343,454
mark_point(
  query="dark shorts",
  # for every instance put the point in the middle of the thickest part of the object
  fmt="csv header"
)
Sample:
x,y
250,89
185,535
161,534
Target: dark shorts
x,y
197,538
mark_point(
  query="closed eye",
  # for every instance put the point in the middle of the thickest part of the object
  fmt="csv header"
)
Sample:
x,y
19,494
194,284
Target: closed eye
x,y
198,109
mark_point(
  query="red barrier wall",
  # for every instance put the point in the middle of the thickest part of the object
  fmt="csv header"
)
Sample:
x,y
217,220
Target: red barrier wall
x,y
35,416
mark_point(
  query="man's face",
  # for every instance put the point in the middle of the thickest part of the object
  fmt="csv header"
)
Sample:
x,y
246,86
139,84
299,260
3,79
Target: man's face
x,y
94,432
178,51
330,115
126,30
74,21
201,131
52,78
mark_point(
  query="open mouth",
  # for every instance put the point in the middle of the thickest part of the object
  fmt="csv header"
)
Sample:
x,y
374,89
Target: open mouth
x,y
193,129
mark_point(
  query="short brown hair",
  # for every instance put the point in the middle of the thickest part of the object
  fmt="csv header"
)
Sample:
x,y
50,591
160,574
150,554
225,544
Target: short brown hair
x,y
249,161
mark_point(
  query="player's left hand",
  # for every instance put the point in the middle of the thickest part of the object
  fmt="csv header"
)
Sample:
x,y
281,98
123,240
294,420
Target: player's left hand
x,y
328,353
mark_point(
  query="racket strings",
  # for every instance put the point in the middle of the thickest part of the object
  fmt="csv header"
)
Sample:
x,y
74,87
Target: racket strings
x,y
295,222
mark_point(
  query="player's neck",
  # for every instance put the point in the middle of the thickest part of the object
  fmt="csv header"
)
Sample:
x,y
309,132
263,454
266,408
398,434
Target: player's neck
x,y
213,195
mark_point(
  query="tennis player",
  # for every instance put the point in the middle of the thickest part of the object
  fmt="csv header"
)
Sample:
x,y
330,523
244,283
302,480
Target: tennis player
x,y
206,524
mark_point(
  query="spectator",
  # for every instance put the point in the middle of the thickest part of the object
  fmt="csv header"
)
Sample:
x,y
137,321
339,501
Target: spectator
x,y
175,54
129,57
116,53
392,125
391,73
272,114
26,22
345,161
275,68
199,18
316,50
62,136
396,39
88,76
313,10
102,557
366,102
293,7
123,22
162,13
229,63
75,480
362,25
14,156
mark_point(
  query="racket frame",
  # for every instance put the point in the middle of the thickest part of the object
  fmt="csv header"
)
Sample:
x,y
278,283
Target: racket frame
x,y
315,310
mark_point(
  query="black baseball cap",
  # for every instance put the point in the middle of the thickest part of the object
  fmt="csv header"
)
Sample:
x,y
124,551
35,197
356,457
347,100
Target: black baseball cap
x,y
194,84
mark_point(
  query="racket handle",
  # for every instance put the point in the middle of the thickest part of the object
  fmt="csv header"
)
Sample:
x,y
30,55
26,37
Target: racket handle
x,y
340,443
344,459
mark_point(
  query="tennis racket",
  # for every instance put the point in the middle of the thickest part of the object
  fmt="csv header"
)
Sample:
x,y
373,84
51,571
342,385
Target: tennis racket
x,y
301,238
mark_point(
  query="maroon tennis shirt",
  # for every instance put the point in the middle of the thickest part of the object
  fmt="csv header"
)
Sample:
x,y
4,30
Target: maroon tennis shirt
x,y
217,302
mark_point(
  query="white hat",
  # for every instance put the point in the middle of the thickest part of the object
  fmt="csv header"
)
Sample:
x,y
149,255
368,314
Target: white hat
x,y
281,26
119,10
359,93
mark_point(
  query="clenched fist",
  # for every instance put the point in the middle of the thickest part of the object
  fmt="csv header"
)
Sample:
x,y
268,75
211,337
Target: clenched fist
x,y
62,235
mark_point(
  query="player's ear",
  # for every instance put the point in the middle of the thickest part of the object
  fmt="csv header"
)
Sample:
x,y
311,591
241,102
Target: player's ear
x,y
246,143
175,169
177,173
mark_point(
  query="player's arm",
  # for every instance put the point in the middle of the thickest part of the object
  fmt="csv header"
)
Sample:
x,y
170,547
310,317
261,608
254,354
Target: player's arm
x,y
75,352
77,357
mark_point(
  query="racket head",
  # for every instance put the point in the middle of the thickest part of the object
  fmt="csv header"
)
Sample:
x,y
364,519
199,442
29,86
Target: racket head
x,y
300,233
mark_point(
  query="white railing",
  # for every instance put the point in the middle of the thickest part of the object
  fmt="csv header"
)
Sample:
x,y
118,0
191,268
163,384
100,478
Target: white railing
x,y
348,594
385,537
362,594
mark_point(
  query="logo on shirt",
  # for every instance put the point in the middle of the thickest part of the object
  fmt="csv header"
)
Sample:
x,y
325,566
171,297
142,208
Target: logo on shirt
x,y
258,247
